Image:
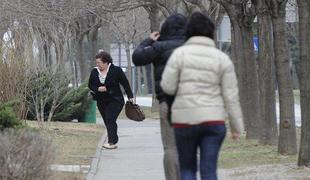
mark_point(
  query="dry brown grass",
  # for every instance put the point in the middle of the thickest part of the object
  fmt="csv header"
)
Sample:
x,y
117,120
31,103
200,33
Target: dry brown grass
x,y
246,153
75,144
68,176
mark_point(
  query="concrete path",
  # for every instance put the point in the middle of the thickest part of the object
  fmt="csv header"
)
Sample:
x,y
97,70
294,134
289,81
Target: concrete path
x,y
138,157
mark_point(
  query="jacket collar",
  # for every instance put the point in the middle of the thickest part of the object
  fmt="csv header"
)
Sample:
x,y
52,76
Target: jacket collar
x,y
200,40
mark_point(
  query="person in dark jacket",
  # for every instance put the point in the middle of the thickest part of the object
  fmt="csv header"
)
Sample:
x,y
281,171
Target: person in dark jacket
x,y
104,82
156,49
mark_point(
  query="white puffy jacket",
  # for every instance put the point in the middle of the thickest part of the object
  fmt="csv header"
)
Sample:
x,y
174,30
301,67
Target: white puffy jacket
x,y
205,84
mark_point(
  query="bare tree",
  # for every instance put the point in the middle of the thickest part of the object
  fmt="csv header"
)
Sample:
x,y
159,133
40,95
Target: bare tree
x,y
304,41
242,14
266,73
287,139
46,84
128,27
13,81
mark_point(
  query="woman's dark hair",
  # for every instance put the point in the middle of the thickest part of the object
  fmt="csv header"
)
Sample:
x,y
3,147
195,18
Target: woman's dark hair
x,y
200,25
104,57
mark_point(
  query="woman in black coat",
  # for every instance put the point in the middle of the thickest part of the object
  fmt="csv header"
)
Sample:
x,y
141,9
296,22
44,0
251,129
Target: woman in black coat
x,y
104,82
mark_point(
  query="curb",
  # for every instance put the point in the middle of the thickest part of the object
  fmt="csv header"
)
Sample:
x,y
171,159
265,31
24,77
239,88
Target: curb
x,y
95,162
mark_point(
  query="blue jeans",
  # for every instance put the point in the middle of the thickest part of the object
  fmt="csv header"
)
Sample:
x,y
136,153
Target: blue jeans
x,y
208,138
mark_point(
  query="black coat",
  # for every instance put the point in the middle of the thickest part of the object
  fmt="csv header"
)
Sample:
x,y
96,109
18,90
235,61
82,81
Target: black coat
x,y
114,78
172,35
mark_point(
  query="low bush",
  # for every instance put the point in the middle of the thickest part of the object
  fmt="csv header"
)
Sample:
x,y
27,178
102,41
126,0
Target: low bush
x,y
24,155
8,118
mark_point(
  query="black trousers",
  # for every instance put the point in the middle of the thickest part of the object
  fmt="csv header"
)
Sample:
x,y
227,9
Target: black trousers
x,y
109,112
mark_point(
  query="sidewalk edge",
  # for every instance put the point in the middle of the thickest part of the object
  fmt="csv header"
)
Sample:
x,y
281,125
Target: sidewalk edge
x,y
95,161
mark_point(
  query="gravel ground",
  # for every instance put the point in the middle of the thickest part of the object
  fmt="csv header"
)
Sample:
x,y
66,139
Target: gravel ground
x,y
266,172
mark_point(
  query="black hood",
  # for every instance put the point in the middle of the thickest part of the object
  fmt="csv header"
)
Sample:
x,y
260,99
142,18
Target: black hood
x,y
174,27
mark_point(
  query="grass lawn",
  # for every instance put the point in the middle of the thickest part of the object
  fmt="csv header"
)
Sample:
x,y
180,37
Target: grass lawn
x,y
75,144
68,176
245,153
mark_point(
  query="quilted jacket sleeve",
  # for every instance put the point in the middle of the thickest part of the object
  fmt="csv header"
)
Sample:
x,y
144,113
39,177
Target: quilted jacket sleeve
x,y
125,83
145,53
231,97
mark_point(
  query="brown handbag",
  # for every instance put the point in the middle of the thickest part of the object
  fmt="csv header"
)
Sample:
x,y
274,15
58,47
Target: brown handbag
x,y
133,111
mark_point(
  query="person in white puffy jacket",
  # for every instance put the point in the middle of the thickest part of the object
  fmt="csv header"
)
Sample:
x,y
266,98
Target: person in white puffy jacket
x,y
204,82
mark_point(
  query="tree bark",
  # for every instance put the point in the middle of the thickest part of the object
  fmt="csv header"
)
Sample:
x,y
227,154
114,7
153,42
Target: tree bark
x,y
81,59
93,46
105,36
153,16
246,68
138,69
145,80
129,69
266,75
250,85
304,41
287,139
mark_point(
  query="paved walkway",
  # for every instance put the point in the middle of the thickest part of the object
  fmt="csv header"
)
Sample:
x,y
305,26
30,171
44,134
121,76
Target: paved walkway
x,y
139,156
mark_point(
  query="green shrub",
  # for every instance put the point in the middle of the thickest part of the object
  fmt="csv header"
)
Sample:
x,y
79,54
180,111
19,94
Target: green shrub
x,y
74,104
8,117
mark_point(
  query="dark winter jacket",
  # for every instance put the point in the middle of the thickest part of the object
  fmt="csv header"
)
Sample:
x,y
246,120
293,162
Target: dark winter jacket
x,y
172,35
114,78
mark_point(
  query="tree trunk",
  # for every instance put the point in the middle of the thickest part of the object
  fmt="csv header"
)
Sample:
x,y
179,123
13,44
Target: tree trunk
x,y
145,80
105,36
57,55
304,41
138,69
36,106
129,69
81,60
266,76
47,54
287,138
153,16
61,54
247,75
93,46
52,110
41,108
155,103
252,104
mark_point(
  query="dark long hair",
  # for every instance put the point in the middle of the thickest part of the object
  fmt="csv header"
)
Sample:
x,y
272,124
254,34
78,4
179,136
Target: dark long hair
x,y
200,25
